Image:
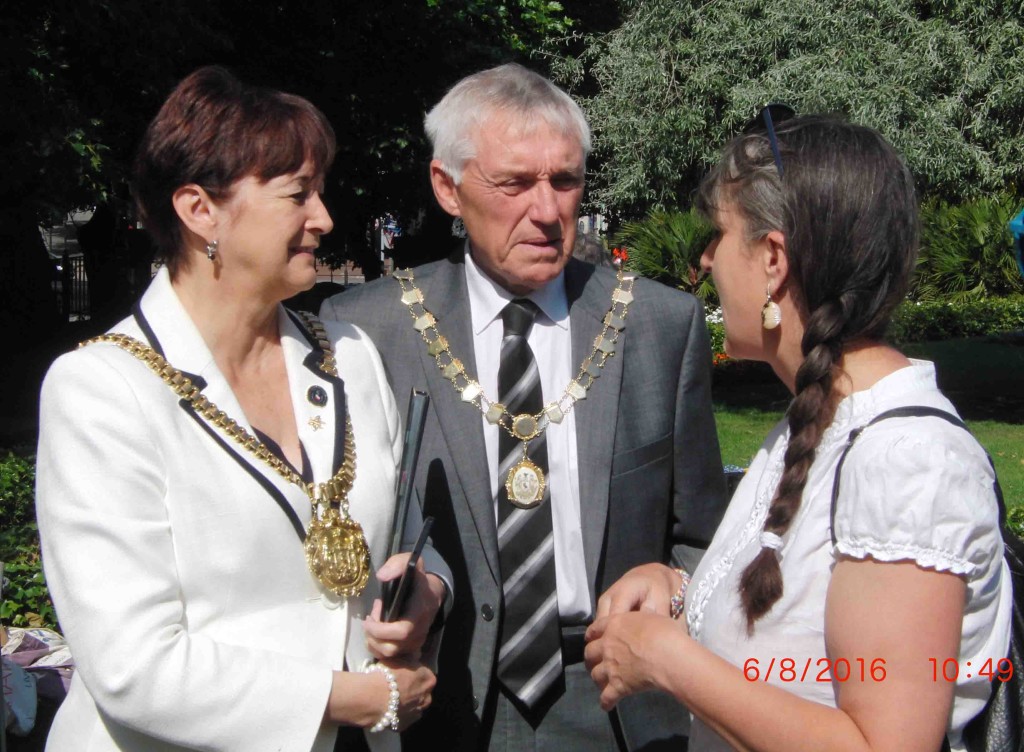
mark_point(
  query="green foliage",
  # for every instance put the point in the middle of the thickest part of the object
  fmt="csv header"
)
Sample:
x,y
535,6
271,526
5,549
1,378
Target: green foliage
x,y
523,23
88,75
923,321
1015,520
716,331
667,246
26,599
967,250
943,81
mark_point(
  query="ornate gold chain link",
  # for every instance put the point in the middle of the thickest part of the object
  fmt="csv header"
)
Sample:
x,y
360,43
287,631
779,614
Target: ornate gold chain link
x,y
524,427
470,390
333,491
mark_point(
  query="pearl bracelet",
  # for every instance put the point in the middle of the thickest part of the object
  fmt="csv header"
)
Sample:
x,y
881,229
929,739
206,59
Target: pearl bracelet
x,y
390,717
677,602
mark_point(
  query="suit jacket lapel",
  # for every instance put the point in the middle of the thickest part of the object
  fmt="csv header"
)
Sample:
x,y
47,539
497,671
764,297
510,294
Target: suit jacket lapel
x,y
446,297
589,297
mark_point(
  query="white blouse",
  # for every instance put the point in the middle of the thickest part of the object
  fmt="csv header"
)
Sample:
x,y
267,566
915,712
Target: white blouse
x,y
913,488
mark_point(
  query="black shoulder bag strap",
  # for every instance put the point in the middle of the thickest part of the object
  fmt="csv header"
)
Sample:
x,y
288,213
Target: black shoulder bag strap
x,y
999,727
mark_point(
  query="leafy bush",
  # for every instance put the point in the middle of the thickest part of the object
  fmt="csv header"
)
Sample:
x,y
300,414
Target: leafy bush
x,y
667,246
920,321
26,599
717,333
1015,520
967,250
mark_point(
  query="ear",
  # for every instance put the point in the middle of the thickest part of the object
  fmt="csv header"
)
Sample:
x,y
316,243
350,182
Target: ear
x,y
776,262
445,189
196,210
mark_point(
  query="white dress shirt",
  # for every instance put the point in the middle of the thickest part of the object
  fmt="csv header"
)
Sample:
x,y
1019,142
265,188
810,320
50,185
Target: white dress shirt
x,y
550,340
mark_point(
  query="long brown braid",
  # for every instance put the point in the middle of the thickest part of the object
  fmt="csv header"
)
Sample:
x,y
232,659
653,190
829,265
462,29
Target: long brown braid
x,y
848,211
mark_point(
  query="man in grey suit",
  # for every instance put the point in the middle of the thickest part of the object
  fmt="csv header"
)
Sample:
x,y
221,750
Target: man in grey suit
x,y
570,435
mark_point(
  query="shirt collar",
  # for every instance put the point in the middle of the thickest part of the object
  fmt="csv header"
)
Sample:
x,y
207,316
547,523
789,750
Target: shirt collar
x,y
487,298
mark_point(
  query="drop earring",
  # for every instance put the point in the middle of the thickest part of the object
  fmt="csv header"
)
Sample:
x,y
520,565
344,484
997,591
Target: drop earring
x,y
211,250
771,314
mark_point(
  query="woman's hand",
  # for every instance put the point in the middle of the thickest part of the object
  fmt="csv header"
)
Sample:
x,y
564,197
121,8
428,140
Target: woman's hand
x,y
648,587
624,652
361,699
404,637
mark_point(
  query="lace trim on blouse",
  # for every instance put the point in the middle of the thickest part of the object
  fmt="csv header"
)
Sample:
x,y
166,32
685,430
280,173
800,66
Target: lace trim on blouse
x,y
758,514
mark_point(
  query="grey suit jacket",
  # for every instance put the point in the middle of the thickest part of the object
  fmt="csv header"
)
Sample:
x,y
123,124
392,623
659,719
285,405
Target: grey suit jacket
x,y
650,474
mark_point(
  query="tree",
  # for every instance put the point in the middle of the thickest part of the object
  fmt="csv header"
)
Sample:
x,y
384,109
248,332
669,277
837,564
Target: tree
x,y
87,76
943,80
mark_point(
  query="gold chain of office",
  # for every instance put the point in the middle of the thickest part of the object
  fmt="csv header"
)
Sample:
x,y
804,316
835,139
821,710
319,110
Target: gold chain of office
x,y
525,480
336,550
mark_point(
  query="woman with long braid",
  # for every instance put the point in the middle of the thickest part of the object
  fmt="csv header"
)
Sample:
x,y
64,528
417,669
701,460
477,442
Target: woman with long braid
x,y
879,624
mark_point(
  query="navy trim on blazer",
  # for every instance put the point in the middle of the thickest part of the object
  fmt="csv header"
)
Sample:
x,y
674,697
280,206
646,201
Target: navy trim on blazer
x,y
267,485
312,362
187,406
147,330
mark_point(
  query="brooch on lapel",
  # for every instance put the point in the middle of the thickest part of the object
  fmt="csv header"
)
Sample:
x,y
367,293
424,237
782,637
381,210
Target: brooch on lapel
x,y
317,396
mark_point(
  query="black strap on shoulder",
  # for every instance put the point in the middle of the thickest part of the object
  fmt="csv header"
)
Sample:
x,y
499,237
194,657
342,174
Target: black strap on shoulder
x,y
908,411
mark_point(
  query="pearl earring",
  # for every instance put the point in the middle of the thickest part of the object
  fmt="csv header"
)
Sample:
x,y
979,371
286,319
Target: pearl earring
x,y
771,314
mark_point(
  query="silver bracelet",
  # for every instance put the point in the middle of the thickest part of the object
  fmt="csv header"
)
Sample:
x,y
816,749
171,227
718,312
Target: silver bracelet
x,y
390,717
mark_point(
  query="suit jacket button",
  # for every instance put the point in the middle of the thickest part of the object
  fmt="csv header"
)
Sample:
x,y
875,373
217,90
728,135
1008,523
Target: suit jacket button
x,y
487,612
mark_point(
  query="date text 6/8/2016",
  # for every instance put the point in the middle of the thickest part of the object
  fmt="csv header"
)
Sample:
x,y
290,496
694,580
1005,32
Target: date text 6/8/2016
x,y
815,669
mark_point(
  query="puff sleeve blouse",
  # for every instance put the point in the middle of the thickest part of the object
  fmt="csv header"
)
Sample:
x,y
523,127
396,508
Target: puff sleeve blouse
x,y
917,489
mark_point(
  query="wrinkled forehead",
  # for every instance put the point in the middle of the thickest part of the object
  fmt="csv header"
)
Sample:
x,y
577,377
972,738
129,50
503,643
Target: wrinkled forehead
x,y
516,125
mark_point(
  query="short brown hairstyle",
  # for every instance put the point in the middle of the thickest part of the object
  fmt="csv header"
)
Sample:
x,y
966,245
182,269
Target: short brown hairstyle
x,y
214,130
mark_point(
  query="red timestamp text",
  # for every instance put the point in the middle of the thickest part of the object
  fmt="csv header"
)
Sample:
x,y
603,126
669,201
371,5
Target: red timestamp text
x,y
815,669
951,669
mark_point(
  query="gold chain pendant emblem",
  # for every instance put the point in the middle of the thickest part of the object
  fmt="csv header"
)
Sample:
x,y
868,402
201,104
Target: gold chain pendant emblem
x,y
337,553
525,483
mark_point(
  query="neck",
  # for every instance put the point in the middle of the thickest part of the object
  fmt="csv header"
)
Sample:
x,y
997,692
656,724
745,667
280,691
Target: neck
x,y
862,364
236,324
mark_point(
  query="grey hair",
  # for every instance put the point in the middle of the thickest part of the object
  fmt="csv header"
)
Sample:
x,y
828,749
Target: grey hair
x,y
746,175
526,97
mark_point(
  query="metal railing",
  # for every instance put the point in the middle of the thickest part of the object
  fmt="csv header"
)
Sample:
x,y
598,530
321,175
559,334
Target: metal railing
x,y
72,288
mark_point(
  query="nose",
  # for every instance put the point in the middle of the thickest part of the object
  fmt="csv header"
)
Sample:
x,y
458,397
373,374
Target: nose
x,y
708,256
544,203
319,221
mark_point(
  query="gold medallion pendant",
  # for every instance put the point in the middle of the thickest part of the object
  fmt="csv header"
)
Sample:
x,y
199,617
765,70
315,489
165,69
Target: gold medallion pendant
x,y
337,553
525,484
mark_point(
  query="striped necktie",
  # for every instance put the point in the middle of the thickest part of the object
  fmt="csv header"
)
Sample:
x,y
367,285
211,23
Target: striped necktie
x,y
530,657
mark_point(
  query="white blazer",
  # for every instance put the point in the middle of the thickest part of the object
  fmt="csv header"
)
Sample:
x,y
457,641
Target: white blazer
x,y
175,558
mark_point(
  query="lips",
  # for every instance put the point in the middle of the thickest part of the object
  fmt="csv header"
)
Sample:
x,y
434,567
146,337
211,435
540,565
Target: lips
x,y
545,243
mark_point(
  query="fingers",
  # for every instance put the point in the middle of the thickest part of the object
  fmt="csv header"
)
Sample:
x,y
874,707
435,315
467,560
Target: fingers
x,y
391,639
596,630
393,567
600,673
609,699
628,594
